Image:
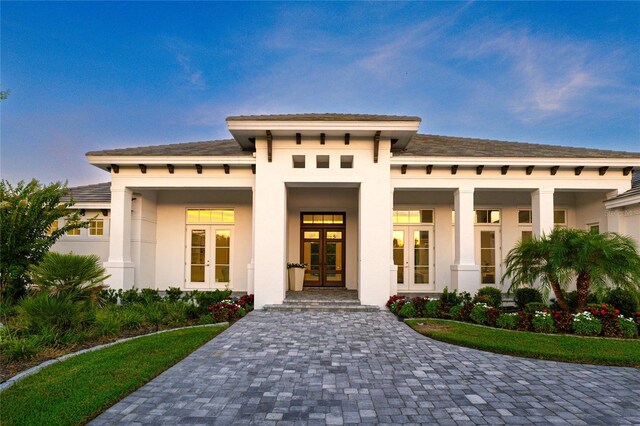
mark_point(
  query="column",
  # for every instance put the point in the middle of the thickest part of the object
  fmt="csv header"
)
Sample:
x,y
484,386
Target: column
x,y
119,264
251,265
465,274
542,211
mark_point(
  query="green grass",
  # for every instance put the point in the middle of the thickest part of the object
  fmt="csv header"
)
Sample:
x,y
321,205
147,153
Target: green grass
x,y
76,390
585,350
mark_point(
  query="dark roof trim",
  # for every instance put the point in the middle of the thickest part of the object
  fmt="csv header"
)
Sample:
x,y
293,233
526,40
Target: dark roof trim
x,y
323,117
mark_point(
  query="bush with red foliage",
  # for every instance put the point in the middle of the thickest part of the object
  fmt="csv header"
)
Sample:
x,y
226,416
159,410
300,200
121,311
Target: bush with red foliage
x,y
226,310
563,321
608,316
246,302
524,321
492,315
393,299
636,318
418,303
465,312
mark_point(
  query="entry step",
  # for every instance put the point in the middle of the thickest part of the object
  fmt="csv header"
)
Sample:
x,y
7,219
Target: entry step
x,y
322,307
318,302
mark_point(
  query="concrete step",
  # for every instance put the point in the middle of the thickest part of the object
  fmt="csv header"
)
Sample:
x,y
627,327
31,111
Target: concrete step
x,y
299,307
322,302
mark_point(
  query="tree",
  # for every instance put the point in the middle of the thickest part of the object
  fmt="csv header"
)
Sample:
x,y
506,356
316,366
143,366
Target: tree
x,y
595,261
27,213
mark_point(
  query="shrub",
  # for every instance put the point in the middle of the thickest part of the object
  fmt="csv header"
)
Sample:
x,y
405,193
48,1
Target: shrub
x,y
585,324
154,314
204,299
149,295
507,321
419,304
492,315
107,324
524,321
407,311
49,336
465,312
392,300
524,296
534,307
623,300
15,348
71,337
542,322
454,312
177,313
129,297
431,309
563,321
41,311
226,310
494,295
397,305
608,317
627,327
69,275
173,294
109,296
479,313
131,318
246,302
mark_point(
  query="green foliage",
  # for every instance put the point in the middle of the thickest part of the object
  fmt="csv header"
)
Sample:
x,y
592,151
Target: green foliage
x,y
455,311
69,275
129,297
131,317
42,312
407,311
494,295
20,348
173,294
479,313
177,313
534,307
623,300
155,313
149,295
628,327
107,324
204,299
525,295
432,309
27,211
507,321
586,324
543,322
109,296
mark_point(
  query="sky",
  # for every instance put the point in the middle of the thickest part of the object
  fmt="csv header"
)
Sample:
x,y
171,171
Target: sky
x,y
88,75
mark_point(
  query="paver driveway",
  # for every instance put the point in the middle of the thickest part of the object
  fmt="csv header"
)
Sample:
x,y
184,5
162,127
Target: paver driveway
x,y
333,368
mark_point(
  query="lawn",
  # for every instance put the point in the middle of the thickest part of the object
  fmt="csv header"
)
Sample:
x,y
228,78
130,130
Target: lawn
x,y
585,350
76,390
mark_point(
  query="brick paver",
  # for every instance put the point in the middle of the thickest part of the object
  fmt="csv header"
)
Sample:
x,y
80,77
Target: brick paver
x,y
368,368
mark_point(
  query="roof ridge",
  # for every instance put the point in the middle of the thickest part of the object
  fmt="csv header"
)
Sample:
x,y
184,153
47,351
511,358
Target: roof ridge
x,y
160,145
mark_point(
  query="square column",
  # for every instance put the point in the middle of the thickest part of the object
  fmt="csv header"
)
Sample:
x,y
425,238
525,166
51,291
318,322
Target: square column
x,y
542,211
119,265
269,230
465,274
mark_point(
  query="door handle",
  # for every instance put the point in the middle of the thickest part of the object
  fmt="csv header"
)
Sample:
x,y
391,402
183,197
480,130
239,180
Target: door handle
x,y
207,264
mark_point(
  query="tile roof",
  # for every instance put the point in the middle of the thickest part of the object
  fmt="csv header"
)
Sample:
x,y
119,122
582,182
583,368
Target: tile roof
x,y
323,117
98,193
449,146
203,148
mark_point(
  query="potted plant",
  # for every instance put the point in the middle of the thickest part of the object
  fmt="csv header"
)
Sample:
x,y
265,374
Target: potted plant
x,y
296,275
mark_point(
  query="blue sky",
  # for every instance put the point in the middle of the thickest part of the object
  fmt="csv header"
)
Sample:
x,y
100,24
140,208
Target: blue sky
x,y
86,76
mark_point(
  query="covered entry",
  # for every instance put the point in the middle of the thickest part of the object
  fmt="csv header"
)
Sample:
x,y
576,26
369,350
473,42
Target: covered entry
x,y
322,246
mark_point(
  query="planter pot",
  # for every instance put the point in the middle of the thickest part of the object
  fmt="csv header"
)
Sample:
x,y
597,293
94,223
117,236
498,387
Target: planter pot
x,y
296,279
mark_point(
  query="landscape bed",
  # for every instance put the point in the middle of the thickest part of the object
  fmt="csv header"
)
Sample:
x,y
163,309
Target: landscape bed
x,y
76,390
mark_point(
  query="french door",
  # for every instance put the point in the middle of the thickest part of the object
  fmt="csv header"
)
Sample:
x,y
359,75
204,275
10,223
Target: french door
x,y
413,254
323,251
489,254
208,257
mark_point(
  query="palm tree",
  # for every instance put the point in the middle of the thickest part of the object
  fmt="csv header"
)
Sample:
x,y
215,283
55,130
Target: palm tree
x,y
597,261
539,259
603,260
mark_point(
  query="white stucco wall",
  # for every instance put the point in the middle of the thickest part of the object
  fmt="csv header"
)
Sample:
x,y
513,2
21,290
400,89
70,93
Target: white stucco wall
x,y
84,243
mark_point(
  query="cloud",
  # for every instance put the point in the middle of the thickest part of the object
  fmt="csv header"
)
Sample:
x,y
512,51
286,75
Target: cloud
x,y
192,75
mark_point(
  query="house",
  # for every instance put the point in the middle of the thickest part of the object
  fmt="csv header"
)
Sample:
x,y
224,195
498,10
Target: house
x,y
364,200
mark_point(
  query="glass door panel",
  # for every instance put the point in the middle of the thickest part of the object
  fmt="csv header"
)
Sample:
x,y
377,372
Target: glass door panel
x,y
421,257
223,255
311,257
488,257
197,257
399,253
333,256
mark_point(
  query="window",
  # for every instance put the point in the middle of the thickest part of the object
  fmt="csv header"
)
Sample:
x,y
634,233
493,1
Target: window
x,y
223,255
412,216
594,227
73,232
298,161
487,216
96,227
559,217
322,161
53,227
527,235
210,216
346,161
322,218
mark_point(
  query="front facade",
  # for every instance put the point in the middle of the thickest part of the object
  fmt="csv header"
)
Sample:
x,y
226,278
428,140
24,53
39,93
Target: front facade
x,y
366,202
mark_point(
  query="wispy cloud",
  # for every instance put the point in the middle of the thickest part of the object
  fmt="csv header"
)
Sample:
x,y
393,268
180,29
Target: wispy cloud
x,y
192,75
